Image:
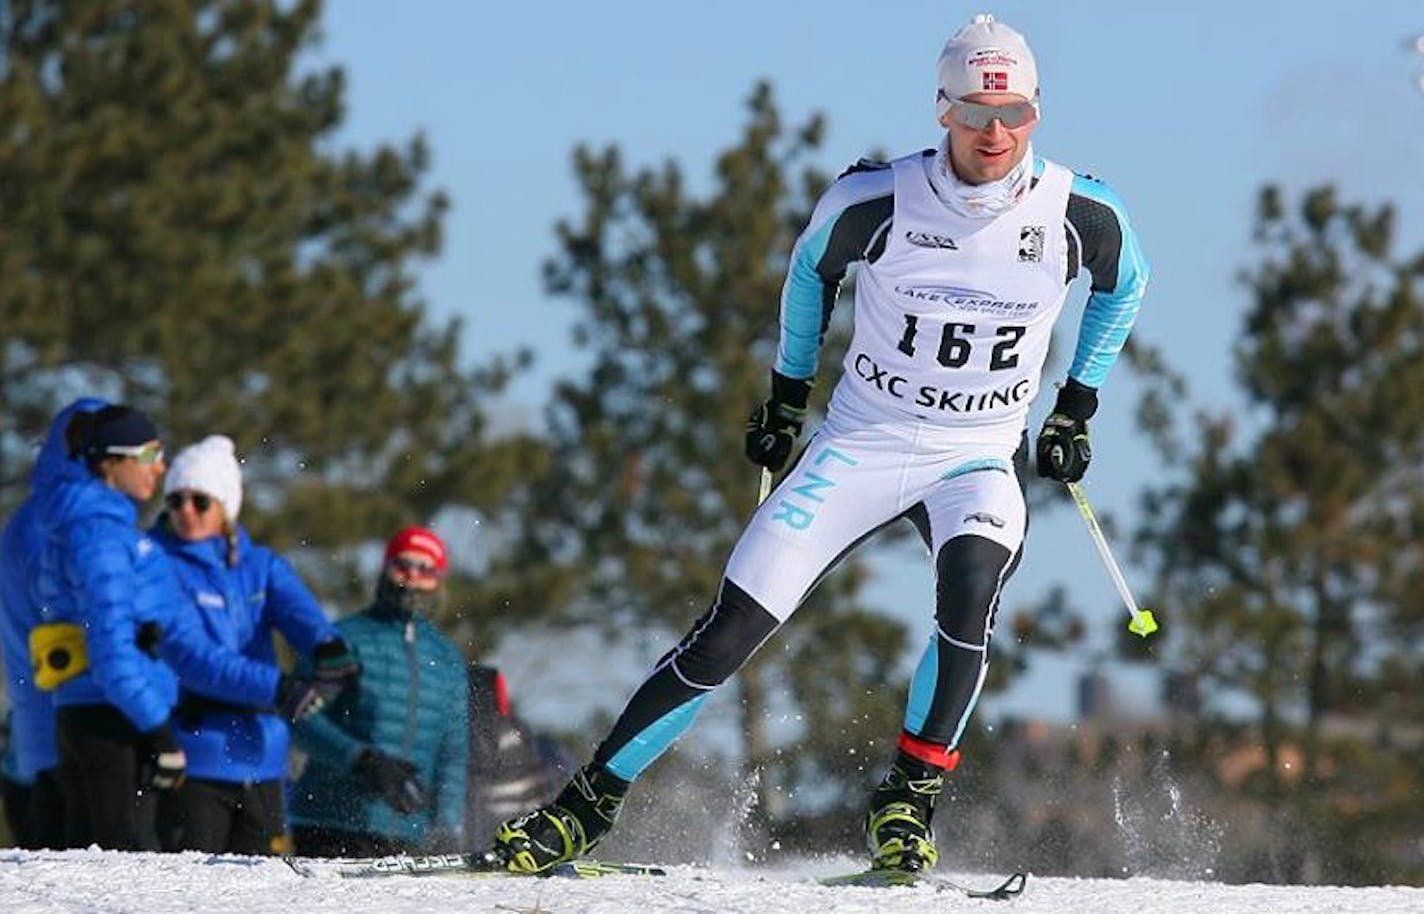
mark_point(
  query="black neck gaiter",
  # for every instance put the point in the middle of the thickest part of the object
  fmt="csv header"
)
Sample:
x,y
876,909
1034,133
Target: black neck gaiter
x,y
403,602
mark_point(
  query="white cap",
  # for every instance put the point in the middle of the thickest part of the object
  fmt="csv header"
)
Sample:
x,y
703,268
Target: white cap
x,y
985,56
210,467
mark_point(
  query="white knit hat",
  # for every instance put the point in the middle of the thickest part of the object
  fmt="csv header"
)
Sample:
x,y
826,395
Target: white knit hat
x,y
985,56
210,466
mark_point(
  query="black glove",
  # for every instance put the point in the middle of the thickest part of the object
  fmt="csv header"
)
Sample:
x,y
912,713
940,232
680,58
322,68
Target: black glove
x,y
299,698
773,427
394,779
1063,450
334,663
164,766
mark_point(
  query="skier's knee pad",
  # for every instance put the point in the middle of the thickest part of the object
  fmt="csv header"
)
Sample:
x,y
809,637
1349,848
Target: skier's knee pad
x,y
969,572
724,638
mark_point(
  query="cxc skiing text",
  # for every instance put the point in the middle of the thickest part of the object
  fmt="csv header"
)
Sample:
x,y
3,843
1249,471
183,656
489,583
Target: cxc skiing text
x,y
932,397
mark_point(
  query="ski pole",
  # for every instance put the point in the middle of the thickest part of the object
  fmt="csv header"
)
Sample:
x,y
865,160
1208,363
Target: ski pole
x,y
1142,623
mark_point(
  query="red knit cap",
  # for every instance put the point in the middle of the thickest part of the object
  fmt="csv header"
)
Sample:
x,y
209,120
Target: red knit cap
x,y
421,540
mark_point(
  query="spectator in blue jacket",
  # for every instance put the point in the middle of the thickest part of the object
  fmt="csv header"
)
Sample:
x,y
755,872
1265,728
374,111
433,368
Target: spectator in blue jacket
x,y
34,807
387,762
111,644
233,799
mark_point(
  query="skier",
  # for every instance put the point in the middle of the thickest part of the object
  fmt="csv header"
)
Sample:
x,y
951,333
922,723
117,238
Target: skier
x,y
966,253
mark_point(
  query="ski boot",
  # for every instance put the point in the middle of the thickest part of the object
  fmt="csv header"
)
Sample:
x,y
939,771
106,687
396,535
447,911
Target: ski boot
x,y
567,828
897,827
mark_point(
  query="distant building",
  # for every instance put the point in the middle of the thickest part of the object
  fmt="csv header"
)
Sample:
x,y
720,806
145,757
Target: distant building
x,y
1094,696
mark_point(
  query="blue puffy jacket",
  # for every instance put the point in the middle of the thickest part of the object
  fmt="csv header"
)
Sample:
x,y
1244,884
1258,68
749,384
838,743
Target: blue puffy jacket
x,y
239,607
32,741
412,703
99,571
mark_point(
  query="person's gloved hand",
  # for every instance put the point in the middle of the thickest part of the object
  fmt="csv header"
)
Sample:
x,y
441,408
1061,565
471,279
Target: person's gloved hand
x,y
165,766
394,779
773,427
298,698
1063,450
333,662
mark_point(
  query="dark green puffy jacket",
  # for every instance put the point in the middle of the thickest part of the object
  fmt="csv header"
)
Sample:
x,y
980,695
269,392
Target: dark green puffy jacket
x,y
412,704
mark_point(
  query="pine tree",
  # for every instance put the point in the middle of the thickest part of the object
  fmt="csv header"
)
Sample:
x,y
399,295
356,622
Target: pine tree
x,y
1291,547
182,232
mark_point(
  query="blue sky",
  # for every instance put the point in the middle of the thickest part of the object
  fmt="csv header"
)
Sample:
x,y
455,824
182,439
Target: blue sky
x,y
1185,109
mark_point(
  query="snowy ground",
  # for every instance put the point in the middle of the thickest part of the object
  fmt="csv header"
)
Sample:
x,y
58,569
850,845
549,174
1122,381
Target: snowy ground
x,y
104,882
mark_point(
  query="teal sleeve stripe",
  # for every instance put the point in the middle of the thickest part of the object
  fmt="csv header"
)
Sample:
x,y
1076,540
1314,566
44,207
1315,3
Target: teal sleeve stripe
x,y
814,275
1109,316
801,306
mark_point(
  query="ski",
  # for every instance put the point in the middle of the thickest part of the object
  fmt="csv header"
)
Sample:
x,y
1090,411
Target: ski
x,y
468,865
485,865
593,869
873,879
1010,888
886,878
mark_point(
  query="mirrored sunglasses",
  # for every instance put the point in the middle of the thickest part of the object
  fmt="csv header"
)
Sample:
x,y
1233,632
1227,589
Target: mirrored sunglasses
x,y
142,453
415,568
977,117
176,500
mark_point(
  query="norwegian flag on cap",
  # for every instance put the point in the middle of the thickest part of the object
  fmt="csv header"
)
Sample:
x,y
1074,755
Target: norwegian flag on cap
x,y
985,56
423,541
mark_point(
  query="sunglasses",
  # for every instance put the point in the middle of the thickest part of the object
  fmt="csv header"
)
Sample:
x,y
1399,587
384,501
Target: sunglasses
x,y
977,117
141,453
415,569
201,502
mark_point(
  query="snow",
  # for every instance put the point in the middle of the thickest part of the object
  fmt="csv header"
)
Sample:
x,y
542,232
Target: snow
x,y
108,882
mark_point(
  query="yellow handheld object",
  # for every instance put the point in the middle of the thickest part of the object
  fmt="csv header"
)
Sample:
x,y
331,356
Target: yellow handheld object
x,y
57,653
1142,623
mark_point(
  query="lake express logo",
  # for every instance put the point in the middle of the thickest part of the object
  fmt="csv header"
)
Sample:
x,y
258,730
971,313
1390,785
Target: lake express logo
x,y
971,300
